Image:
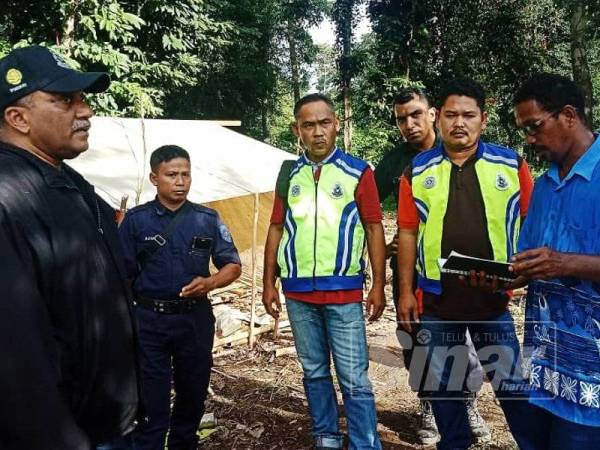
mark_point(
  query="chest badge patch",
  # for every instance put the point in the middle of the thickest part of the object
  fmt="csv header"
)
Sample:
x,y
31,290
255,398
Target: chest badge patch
x,y
337,191
429,182
501,182
295,191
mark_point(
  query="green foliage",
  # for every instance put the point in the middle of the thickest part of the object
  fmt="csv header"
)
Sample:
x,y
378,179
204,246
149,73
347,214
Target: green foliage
x,y
294,19
280,119
324,70
254,82
242,85
245,60
151,49
373,92
497,42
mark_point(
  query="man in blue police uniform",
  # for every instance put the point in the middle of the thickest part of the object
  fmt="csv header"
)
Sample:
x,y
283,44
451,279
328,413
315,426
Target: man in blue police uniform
x,y
167,244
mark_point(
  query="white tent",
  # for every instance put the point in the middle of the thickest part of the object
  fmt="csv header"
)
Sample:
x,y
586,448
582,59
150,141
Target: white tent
x,y
225,164
228,168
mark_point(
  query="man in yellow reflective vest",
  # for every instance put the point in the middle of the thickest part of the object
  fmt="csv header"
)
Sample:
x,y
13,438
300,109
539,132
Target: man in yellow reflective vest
x,y
415,119
322,219
468,196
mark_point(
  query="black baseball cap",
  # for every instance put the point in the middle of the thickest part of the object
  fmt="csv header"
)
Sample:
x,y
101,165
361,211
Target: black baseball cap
x,y
35,68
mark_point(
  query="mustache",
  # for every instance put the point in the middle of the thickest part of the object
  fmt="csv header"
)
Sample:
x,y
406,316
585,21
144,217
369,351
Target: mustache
x,y
81,125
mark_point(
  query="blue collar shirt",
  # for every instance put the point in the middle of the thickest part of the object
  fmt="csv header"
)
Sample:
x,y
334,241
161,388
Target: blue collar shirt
x,y
562,329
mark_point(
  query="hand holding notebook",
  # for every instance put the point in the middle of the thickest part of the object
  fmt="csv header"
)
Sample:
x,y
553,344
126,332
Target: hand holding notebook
x,y
459,264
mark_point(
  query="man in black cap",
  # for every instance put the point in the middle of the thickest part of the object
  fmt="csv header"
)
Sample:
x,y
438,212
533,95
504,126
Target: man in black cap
x,y
69,378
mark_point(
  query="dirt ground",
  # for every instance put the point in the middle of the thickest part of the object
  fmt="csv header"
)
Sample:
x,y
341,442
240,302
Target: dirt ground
x,y
259,402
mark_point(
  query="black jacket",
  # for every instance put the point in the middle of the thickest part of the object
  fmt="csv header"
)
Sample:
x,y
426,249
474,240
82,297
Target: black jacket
x,y
68,377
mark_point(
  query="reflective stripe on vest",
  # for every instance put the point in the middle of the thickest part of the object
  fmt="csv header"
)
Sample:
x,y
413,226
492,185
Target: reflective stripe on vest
x,y
323,237
498,174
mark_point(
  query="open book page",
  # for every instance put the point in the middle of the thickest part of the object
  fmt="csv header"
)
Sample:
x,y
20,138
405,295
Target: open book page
x,y
459,264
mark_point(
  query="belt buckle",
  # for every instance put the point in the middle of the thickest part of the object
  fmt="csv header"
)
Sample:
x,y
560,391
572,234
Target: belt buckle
x,y
159,307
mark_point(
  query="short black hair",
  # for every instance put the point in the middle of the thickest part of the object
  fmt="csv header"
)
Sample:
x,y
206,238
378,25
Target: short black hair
x,y
166,153
553,92
463,86
310,98
406,94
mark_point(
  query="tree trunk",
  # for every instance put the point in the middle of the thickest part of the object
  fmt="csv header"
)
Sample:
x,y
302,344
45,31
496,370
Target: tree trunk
x,y
410,40
264,121
68,37
294,66
347,119
344,32
579,62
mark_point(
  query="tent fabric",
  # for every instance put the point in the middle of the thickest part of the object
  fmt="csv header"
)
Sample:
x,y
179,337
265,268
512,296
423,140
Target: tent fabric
x,y
238,214
225,164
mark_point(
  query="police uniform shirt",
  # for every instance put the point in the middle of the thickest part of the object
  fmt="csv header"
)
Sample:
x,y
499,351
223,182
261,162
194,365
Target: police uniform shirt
x,y
199,236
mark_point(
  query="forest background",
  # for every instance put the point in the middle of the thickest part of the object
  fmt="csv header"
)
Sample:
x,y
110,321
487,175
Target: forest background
x,y
250,60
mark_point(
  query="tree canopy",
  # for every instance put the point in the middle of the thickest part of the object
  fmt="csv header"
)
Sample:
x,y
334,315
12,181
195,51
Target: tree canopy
x,y
250,60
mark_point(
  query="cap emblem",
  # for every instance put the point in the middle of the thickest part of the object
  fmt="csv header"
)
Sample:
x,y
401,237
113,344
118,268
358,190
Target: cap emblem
x,y
59,61
14,76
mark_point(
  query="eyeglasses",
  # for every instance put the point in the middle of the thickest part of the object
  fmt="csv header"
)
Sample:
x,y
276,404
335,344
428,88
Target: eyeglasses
x,y
533,128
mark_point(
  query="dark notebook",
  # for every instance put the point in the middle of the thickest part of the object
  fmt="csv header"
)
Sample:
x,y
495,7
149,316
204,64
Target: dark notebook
x,y
461,265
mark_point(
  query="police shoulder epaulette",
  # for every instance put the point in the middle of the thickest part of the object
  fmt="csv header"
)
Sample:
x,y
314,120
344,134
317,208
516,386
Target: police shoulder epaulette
x,y
203,209
139,208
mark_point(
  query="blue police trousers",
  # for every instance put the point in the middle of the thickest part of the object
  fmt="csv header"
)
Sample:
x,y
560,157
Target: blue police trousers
x,y
175,348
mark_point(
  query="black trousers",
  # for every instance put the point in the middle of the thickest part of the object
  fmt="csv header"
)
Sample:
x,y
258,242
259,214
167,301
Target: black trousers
x,y
175,348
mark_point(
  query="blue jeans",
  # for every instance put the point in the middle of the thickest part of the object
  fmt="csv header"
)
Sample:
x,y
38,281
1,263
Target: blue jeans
x,y
446,361
339,330
121,443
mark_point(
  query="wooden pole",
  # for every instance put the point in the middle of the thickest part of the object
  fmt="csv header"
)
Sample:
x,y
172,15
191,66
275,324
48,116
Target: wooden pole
x,y
254,271
122,209
276,327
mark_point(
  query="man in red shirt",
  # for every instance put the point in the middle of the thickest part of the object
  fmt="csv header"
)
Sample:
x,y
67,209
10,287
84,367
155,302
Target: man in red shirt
x,y
319,227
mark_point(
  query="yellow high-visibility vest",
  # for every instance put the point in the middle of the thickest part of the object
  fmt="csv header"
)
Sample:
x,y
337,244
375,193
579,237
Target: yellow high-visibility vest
x,y
323,238
497,170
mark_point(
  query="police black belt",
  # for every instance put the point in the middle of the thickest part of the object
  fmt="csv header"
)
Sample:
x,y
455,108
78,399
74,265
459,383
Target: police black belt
x,y
177,306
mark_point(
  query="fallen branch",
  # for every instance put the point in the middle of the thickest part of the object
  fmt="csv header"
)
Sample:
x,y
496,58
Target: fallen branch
x,y
222,374
285,351
243,335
